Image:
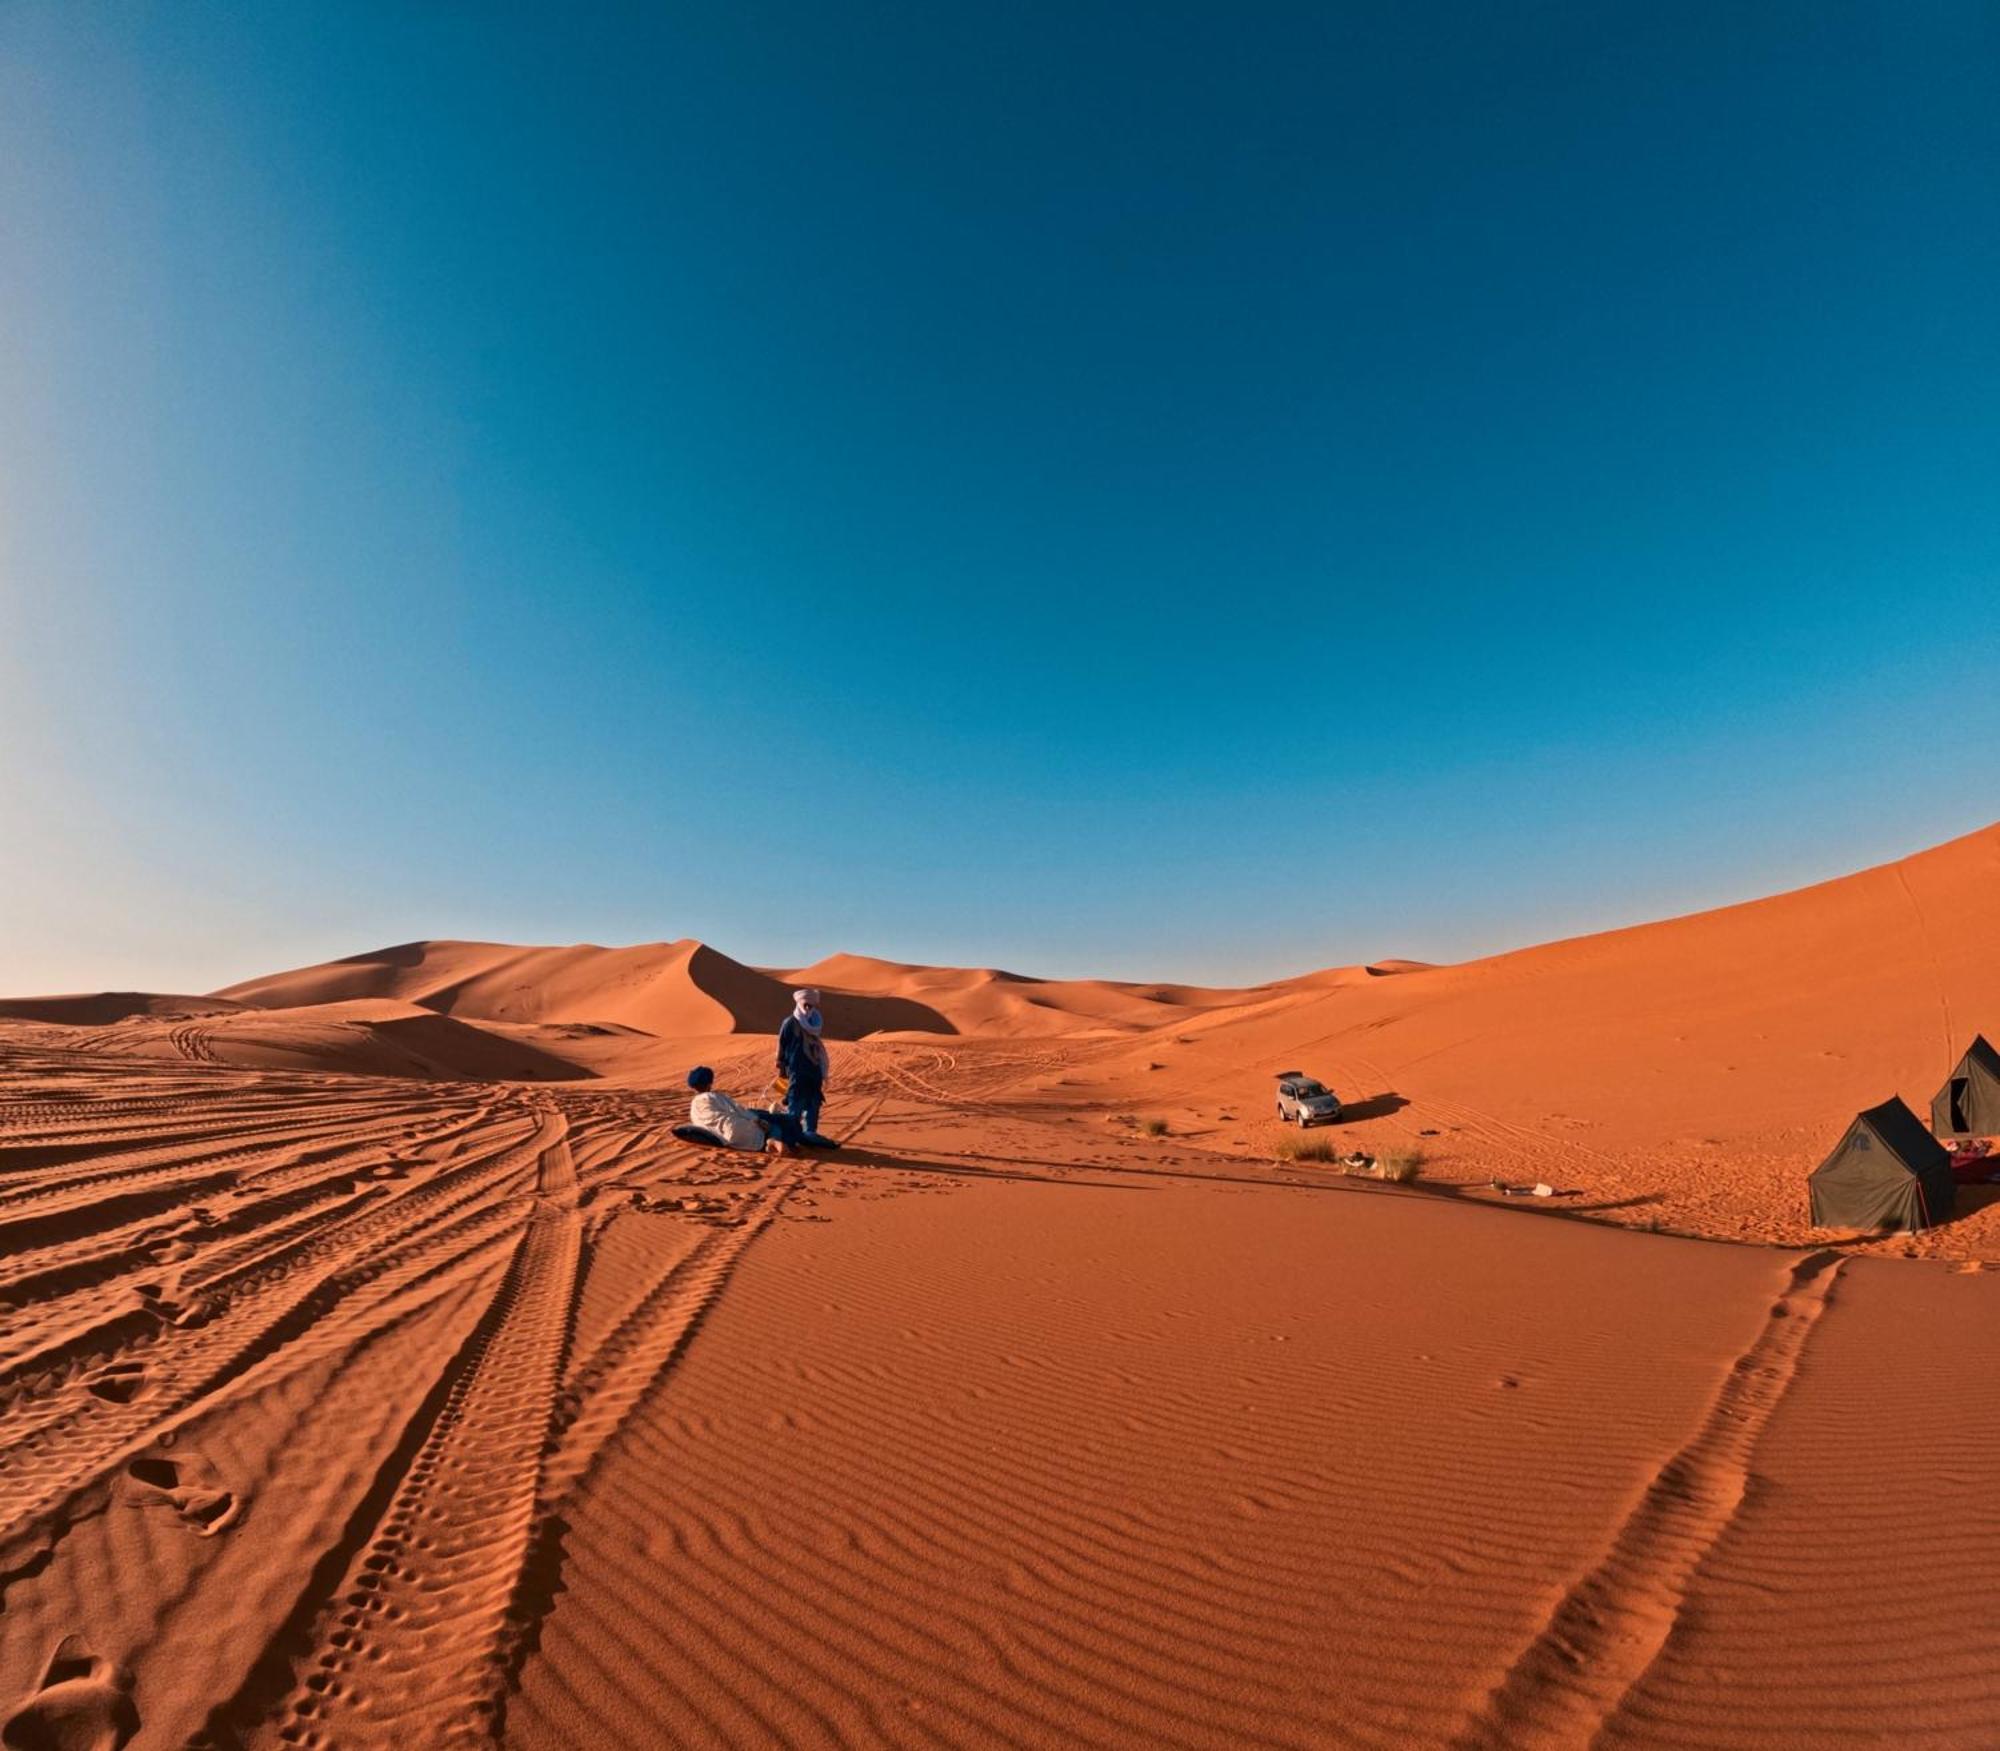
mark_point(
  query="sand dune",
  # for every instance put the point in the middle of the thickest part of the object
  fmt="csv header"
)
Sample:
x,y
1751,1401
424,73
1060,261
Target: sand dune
x,y
376,1370
1688,1072
1698,1066
687,990
360,1037
101,1008
988,1003
673,989
365,1412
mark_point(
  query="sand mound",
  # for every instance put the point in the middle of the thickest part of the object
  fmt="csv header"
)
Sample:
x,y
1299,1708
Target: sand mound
x,y
1692,1070
989,1003
675,989
419,1043
102,1008
688,990
359,1037
1787,1011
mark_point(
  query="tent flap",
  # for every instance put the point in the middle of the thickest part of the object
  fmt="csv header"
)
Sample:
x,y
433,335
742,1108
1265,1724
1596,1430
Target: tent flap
x,y
1969,1103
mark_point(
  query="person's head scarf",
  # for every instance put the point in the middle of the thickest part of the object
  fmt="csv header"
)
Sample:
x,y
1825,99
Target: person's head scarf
x,y
805,1011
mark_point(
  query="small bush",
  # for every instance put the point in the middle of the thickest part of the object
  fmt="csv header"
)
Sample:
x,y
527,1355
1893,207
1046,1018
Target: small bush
x,y
1402,1165
1292,1148
1156,1127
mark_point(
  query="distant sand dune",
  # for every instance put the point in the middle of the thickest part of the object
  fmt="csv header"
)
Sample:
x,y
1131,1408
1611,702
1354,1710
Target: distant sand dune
x,y
1689,1070
101,1008
673,989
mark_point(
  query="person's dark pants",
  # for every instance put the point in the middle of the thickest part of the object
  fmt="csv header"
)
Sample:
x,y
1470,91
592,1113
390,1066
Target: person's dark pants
x,y
803,1101
781,1125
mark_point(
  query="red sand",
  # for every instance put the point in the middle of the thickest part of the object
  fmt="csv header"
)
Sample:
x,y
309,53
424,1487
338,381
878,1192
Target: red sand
x,y
378,1371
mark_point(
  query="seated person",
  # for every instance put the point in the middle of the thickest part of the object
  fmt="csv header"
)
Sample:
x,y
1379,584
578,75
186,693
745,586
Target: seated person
x,y
739,1127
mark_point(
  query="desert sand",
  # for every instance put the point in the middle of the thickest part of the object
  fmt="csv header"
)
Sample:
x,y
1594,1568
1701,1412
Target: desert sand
x,y
378,1370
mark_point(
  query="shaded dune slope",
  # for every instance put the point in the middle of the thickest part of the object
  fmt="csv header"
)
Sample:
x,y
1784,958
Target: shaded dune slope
x,y
101,1008
356,1037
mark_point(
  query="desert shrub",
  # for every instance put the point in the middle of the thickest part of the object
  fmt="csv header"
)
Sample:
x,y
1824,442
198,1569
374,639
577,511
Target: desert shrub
x,y
1401,1165
1156,1127
1293,1148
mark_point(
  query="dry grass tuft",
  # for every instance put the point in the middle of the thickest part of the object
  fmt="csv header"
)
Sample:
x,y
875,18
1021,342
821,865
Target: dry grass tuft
x,y
1401,1165
1156,1127
1303,1148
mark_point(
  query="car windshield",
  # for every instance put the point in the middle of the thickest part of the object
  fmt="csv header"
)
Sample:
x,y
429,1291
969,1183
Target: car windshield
x,y
1308,1090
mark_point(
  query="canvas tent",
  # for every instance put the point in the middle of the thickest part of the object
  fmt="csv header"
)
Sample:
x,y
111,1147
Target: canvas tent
x,y
1887,1172
1969,1103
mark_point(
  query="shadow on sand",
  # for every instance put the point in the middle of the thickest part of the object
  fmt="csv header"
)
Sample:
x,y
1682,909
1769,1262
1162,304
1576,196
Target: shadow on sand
x,y
1129,1179
1376,1106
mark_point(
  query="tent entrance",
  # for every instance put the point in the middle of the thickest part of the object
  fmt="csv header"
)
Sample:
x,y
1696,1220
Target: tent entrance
x,y
1959,1085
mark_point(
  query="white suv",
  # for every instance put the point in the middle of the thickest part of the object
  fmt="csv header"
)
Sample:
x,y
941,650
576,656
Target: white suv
x,y
1304,1101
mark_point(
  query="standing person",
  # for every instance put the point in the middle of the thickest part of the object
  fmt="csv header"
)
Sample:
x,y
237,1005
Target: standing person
x,y
802,1060
739,1127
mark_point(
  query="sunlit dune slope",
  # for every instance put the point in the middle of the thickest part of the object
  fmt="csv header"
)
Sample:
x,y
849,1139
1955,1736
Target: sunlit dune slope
x,y
1768,1020
1764,1023
677,989
687,990
985,1001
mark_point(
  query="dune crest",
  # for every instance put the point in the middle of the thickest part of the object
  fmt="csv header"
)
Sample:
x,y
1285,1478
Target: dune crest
x,y
682,989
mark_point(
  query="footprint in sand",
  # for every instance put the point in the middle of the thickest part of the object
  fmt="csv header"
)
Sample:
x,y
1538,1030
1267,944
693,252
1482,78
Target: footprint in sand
x,y
163,1303
186,1484
119,1383
83,1704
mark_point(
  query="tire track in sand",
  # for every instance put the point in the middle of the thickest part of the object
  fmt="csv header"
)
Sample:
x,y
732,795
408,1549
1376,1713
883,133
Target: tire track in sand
x,y
1937,961
1606,1631
604,1385
646,1343
411,1648
440,1597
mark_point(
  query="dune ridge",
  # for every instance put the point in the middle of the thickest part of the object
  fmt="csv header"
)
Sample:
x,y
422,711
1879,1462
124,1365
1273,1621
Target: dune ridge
x,y
682,989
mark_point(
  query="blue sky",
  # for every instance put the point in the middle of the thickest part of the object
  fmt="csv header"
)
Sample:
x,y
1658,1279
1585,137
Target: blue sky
x,y
1267,487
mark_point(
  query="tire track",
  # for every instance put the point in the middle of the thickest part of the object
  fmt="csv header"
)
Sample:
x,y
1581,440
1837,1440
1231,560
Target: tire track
x,y
1605,1633
608,1383
1937,962
193,1044
412,1649
332,1278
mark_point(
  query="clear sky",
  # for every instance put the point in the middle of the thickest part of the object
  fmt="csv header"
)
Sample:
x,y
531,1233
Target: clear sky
x,y
1188,490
